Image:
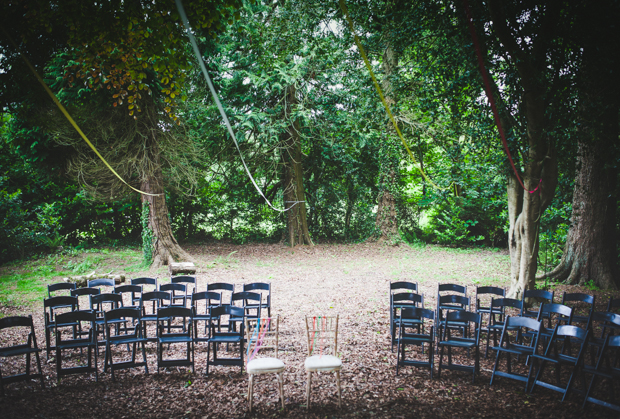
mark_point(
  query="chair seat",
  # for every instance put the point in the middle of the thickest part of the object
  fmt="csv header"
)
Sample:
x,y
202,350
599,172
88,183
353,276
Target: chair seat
x,y
323,363
458,343
265,366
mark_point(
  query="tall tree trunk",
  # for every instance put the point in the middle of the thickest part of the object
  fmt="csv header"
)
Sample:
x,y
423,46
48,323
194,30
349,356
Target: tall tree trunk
x,y
590,250
540,165
165,247
294,194
386,222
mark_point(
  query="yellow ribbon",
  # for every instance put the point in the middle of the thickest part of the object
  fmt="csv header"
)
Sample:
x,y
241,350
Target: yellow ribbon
x,y
64,111
385,104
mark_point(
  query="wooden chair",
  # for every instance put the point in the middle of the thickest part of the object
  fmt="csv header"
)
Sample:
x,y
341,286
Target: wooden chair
x,y
263,334
322,332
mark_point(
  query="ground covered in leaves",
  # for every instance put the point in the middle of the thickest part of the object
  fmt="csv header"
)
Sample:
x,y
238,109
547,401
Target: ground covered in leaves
x,y
351,280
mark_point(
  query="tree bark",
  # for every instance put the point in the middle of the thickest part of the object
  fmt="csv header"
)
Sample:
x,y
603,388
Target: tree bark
x,y
590,250
294,194
386,222
540,165
166,249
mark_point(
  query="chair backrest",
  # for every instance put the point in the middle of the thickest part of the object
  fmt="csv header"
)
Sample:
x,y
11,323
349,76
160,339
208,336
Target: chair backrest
x,y
555,313
101,282
540,294
403,285
60,286
579,297
490,291
523,322
613,304
527,331
222,287
29,335
133,291
105,302
502,303
605,322
412,313
262,334
586,300
166,313
564,331
158,298
211,298
263,288
122,313
177,290
407,298
461,316
453,301
85,319
145,281
50,305
459,289
223,310
322,333
85,292
187,280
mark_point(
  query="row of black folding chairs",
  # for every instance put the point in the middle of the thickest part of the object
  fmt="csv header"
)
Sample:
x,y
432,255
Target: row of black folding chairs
x,y
122,327
148,305
181,287
454,297
523,338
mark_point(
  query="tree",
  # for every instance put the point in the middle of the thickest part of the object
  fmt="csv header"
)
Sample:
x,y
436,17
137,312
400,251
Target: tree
x,y
135,52
590,250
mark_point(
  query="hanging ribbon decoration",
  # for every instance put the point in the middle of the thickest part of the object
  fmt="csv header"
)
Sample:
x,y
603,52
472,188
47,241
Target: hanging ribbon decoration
x,y
68,116
219,104
491,98
385,104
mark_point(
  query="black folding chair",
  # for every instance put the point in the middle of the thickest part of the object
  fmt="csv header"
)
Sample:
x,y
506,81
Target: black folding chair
x,y
202,304
183,337
559,354
413,318
484,297
156,300
455,320
87,339
53,306
52,289
146,284
606,370
103,284
231,336
400,301
264,289
542,296
115,336
85,293
579,302
496,317
520,338
223,288
190,285
24,327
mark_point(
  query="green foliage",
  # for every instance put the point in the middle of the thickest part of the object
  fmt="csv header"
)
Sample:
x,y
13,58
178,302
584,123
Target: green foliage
x,y
147,235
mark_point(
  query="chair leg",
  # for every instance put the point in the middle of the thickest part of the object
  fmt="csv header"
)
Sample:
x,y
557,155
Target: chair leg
x,y
281,383
308,389
251,390
339,389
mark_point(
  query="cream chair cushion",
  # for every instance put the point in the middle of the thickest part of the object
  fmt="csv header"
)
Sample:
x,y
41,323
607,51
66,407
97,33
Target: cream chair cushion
x,y
323,363
265,365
